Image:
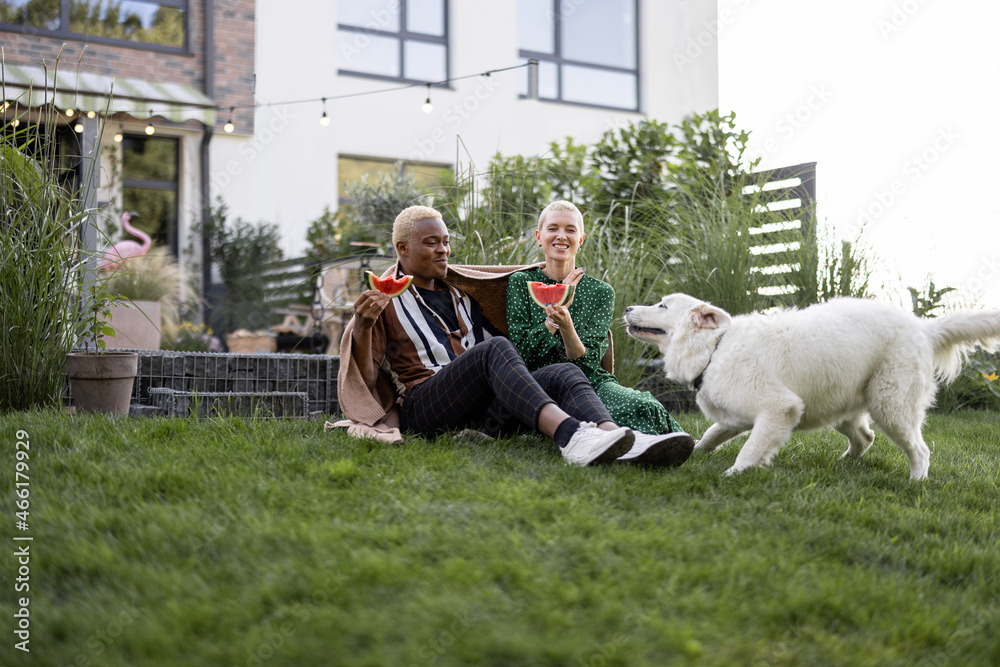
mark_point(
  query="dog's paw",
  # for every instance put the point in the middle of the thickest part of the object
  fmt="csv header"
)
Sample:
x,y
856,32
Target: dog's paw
x,y
733,471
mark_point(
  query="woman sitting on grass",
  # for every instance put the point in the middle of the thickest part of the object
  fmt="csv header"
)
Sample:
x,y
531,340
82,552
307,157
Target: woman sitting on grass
x,y
578,332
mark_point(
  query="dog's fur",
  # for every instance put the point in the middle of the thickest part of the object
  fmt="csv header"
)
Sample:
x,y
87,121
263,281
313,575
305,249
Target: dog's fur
x,y
829,365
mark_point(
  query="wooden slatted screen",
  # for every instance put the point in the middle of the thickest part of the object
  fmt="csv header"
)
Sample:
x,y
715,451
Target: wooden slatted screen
x,y
787,224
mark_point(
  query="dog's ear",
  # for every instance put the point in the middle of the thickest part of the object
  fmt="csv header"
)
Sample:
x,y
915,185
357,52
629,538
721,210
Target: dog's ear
x,y
707,316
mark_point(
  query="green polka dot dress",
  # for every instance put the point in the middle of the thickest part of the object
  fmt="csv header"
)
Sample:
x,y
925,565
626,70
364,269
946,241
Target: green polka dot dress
x,y
592,311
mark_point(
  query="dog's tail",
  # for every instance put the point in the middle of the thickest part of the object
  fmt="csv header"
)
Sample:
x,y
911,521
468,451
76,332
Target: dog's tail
x,y
957,335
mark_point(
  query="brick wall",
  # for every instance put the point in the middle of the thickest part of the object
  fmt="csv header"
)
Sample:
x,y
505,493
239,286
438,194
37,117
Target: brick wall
x,y
234,57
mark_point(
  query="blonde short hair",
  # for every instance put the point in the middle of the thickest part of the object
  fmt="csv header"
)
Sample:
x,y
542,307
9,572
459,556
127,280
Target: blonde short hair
x,y
560,205
402,227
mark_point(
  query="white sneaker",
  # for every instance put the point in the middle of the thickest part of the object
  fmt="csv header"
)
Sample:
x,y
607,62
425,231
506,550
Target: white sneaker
x,y
669,449
594,445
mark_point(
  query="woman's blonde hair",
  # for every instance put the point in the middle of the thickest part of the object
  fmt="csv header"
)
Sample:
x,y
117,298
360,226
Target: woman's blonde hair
x,y
402,227
560,205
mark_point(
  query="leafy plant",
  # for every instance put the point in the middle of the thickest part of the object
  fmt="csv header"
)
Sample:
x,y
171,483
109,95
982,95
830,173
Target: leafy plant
x,y
977,388
242,250
189,337
374,206
928,301
95,323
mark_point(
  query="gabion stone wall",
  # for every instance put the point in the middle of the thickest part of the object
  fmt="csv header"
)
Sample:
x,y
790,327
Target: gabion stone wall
x,y
313,376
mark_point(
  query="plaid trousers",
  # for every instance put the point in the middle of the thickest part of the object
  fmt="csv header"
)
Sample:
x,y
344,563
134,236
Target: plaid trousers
x,y
489,387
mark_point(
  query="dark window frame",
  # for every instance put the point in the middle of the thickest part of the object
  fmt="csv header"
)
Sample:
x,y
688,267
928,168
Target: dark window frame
x,y
558,60
173,241
63,32
403,35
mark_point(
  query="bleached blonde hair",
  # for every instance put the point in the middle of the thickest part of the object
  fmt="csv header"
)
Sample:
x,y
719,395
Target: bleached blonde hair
x,y
560,205
402,227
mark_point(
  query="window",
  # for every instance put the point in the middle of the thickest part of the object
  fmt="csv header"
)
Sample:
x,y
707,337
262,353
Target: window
x,y
161,23
405,40
587,52
149,173
351,169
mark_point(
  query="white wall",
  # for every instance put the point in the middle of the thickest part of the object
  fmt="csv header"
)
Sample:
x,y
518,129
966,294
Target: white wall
x,y
287,172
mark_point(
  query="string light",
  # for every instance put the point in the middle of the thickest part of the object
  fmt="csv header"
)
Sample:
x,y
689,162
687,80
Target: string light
x,y
78,128
120,134
229,127
428,107
15,122
6,105
324,120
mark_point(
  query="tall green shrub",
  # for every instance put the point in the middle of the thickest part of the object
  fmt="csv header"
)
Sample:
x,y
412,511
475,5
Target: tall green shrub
x,y
40,264
242,250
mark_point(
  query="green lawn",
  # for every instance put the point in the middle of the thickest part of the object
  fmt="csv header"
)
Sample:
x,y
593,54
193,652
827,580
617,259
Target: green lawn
x,y
231,542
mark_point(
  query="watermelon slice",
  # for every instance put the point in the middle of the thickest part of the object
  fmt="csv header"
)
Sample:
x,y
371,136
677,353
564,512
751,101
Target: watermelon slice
x,y
389,286
546,295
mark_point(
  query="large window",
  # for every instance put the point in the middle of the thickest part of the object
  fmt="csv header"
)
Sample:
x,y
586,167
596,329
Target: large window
x,y
149,173
351,169
587,51
405,40
162,23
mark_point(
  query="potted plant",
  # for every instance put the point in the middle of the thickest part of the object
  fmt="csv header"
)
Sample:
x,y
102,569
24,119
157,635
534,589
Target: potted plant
x,y
150,287
101,381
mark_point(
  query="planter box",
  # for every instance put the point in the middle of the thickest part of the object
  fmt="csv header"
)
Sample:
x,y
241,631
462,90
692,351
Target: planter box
x,y
137,326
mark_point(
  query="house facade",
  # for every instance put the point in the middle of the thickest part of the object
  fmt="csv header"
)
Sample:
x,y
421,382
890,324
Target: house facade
x,y
138,84
275,108
366,64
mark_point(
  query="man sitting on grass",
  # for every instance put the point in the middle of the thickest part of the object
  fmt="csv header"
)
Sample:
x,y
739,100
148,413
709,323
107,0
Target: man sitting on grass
x,y
429,361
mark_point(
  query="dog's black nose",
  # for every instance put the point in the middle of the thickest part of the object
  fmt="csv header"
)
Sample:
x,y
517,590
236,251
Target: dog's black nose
x,y
629,309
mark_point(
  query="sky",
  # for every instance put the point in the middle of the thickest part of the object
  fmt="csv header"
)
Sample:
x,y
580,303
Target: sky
x,y
894,100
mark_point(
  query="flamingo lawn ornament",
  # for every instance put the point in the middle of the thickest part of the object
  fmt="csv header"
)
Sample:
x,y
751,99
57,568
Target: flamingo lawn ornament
x,y
116,255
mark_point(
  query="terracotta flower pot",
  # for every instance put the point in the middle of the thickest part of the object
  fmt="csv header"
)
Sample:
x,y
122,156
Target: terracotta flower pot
x,y
137,326
102,382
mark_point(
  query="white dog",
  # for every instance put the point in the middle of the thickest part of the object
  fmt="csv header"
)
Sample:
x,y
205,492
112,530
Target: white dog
x,y
829,365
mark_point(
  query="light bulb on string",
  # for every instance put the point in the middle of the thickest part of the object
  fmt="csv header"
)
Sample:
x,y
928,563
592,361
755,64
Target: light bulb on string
x,y
69,113
428,107
91,114
78,128
324,120
120,134
229,127
15,122
149,128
